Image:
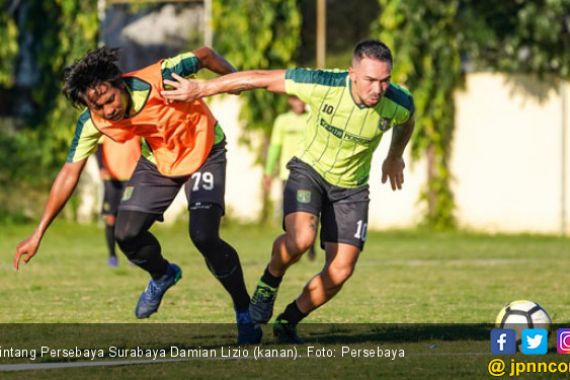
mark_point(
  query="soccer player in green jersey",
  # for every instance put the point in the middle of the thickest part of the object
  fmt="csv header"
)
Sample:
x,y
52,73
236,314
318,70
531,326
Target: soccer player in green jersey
x,y
350,112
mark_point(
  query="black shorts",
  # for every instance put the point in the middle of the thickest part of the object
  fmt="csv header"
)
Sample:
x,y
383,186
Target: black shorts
x,y
344,212
112,192
152,192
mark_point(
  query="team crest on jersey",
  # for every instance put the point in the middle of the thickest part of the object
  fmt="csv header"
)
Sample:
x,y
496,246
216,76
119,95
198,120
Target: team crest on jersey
x,y
384,124
127,193
303,196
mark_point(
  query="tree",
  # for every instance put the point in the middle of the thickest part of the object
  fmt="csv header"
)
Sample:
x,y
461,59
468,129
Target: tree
x,y
529,37
258,34
41,38
433,39
425,38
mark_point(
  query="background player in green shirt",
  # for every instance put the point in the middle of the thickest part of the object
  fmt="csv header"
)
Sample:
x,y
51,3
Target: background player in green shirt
x,y
350,111
286,136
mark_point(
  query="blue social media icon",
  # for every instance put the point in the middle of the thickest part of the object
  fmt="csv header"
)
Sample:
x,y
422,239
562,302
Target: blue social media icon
x,y
534,341
503,342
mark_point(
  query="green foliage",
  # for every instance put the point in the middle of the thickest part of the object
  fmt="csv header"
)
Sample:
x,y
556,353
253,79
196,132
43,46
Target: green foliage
x,y
9,45
346,24
257,34
430,38
19,174
57,32
531,37
71,31
425,39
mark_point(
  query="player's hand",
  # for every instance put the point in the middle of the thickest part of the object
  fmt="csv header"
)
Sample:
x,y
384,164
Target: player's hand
x,y
267,179
181,89
26,248
393,168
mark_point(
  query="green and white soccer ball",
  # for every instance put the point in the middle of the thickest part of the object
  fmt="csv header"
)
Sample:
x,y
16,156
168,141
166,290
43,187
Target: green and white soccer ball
x,y
523,314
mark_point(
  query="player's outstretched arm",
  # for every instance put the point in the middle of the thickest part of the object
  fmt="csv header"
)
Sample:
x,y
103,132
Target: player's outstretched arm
x,y
393,166
60,192
185,90
212,61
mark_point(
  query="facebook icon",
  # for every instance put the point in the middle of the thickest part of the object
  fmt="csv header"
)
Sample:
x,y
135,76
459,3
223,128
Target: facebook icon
x,y
503,342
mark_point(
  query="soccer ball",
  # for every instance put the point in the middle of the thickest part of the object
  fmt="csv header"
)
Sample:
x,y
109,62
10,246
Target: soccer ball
x,y
523,314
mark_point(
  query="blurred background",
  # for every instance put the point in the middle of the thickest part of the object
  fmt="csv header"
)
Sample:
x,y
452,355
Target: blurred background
x,y
489,78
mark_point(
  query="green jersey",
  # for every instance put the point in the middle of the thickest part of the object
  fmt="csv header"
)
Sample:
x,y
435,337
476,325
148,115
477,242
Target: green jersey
x,y
286,136
341,136
87,136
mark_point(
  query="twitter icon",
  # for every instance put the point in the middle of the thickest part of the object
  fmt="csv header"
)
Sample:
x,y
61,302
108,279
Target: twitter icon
x,y
534,341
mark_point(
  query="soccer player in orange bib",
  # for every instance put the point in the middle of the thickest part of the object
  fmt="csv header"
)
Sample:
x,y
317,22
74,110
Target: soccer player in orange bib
x,y
117,163
183,145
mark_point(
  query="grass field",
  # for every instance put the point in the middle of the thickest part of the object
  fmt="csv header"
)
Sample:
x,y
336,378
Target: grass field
x,y
402,277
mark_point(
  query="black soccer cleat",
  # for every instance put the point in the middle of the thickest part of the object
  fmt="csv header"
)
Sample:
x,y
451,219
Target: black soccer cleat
x,y
249,333
285,332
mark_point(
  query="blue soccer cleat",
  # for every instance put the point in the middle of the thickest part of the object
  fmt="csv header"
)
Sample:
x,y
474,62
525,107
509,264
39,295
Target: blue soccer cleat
x,y
249,332
149,300
113,261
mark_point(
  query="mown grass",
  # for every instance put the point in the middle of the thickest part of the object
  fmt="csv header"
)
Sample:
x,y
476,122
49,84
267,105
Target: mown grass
x,y
402,277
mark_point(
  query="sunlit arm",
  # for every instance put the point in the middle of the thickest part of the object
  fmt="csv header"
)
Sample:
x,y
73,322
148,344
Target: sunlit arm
x,y
211,60
60,192
189,90
393,166
400,136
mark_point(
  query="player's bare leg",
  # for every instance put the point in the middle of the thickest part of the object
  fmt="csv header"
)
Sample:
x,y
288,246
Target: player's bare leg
x,y
300,235
312,254
340,263
287,249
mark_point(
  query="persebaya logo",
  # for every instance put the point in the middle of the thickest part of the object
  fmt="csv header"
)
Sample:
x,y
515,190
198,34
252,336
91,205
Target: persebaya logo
x,y
127,193
384,124
303,196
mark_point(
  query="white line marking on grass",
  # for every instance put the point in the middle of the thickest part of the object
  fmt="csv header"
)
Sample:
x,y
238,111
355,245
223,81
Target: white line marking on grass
x,y
109,363
38,366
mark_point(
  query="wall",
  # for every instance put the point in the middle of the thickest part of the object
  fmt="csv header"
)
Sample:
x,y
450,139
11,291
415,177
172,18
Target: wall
x,y
507,155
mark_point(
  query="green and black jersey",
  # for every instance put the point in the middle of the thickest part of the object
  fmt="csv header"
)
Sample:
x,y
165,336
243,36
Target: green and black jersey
x,y
87,135
341,136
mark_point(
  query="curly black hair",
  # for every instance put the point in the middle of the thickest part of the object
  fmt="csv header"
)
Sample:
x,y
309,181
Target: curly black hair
x,y
96,67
